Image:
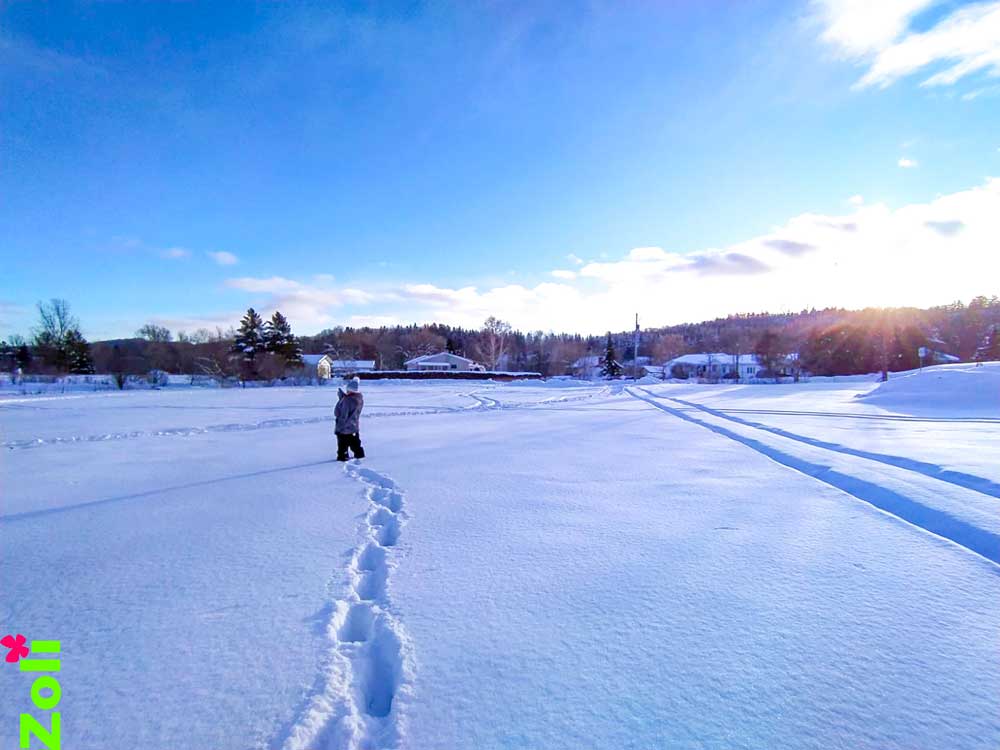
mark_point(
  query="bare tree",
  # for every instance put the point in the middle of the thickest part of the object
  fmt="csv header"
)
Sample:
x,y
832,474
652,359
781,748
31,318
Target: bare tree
x,y
55,332
770,351
153,332
668,346
55,322
492,344
420,342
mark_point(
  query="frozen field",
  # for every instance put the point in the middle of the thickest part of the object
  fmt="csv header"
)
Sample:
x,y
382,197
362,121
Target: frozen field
x,y
541,566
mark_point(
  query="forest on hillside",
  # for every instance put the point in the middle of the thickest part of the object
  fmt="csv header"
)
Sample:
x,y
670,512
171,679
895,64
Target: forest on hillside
x,y
828,342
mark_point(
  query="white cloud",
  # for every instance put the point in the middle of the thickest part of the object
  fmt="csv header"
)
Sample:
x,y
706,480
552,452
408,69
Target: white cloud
x,y
985,92
564,274
223,258
933,252
175,253
856,200
967,40
310,305
575,259
191,324
860,27
907,163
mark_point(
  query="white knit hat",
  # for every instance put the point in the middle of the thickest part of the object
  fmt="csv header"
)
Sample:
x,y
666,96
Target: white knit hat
x,y
353,385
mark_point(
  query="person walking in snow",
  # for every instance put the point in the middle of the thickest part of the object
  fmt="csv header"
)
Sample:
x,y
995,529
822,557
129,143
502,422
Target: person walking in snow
x,y
348,413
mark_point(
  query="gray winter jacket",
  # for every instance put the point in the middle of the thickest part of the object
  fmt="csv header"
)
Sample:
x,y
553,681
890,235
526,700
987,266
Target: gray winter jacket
x,y
348,412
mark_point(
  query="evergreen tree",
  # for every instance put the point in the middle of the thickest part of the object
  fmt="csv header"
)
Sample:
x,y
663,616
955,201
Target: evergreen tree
x,y
279,339
22,357
610,368
249,342
990,351
78,359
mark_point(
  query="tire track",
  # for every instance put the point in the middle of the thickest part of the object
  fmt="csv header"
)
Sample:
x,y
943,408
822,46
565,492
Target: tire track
x,y
870,417
963,517
369,671
958,478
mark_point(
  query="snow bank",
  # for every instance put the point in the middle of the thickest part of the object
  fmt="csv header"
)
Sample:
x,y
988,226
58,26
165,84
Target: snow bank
x,y
965,389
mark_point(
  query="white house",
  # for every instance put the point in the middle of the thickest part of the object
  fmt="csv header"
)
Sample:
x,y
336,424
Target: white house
x,y
324,367
714,365
442,362
316,366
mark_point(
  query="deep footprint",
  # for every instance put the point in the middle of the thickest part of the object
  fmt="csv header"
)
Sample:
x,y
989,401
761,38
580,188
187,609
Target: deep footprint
x,y
384,669
357,625
371,587
388,534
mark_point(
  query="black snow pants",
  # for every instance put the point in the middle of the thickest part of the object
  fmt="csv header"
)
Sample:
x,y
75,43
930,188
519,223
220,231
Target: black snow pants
x,y
350,440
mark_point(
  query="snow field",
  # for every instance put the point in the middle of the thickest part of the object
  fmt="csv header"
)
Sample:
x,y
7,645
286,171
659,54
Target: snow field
x,y
548,567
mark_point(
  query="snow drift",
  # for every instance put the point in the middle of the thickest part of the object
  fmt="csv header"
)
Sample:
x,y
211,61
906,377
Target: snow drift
x,y
966,389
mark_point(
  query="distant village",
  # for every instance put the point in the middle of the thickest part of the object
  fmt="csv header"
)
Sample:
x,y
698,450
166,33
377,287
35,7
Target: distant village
x,y
743,348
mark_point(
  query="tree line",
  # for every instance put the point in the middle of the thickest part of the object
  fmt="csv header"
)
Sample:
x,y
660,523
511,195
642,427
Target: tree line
x,y
827,342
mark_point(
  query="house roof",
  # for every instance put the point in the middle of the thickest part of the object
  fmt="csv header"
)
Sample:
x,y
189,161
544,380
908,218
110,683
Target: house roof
x,y
717,358
439,357
313,359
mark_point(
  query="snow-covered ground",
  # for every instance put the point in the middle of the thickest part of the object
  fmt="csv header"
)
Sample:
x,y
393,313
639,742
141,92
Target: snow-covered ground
x,y
530,565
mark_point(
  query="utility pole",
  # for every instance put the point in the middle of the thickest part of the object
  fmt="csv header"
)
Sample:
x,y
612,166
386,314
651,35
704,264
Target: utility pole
x,y
635,350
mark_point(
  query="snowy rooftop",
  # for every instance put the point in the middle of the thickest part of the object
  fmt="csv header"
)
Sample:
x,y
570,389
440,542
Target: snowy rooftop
x,y
718,358
446,356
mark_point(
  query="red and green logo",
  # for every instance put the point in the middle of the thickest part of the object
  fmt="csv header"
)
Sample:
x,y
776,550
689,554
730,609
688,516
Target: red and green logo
x,y
45,689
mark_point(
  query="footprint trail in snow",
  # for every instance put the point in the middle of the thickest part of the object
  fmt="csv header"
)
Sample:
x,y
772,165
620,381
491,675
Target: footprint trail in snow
x,y
369,670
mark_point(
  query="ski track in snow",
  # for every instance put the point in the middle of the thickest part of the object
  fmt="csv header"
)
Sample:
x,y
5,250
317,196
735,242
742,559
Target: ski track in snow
x,y
368,673
982,541
961,479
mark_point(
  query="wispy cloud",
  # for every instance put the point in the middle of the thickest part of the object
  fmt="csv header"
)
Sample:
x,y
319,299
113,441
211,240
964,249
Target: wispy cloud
x,y
966,40
856,200
945,228
934,252
12,314
19,52
561,273
175,253
906,163
790,247
223,258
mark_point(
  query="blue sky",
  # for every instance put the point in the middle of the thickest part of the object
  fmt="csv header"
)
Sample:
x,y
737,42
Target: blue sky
x,y
411,161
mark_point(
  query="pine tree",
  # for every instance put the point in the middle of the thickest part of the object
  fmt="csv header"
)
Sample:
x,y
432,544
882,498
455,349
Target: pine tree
x,y
23,356
610,368
78,359
990,351
249,342
279,339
